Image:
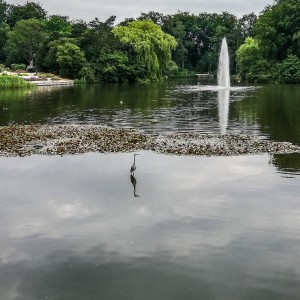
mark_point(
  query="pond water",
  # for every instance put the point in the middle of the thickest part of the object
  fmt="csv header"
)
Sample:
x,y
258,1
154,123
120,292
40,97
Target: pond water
x,y
79,227
270,111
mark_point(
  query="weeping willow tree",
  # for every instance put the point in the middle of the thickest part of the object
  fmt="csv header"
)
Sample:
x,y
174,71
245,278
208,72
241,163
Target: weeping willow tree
x,y
151,45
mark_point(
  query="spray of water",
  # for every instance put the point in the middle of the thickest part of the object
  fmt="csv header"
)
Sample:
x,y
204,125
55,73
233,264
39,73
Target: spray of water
x,y
223,70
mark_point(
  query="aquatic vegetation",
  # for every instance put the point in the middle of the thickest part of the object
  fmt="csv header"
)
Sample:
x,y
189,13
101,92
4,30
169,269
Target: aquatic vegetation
x,y
75,139
13,81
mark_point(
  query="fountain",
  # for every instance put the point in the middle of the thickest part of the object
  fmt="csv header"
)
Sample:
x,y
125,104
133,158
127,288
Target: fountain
x,y
224,84
223,70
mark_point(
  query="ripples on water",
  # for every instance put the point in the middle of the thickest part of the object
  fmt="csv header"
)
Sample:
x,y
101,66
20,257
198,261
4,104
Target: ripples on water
x,y
182,108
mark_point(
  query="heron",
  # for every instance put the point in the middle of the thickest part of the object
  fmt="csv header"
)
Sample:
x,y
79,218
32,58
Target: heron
x,y
133,167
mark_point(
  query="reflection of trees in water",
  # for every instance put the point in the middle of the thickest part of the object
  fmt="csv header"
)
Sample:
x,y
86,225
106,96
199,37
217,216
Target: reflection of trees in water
x,y
58,104
276,109
289,163
33,105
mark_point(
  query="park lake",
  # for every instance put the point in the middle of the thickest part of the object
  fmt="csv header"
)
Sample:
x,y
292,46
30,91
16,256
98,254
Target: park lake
x,y
187,227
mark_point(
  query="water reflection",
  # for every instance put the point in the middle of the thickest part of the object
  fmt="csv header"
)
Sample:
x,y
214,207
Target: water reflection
x,y
288,164
223,105
173,106
158,108
132,177
134,182
210,227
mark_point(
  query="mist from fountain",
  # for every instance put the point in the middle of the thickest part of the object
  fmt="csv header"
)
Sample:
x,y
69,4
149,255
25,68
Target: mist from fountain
x,y
223,69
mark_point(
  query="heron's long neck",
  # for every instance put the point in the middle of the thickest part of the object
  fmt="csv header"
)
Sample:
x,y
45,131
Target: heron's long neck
x,y
134,160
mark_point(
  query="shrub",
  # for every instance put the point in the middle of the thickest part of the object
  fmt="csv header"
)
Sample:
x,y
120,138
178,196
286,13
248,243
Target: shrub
x,y
12,81
87,74
172,68
289,70
261,71
15,67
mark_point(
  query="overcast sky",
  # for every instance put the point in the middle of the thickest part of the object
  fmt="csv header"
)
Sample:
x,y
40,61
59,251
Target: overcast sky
x,y
89,9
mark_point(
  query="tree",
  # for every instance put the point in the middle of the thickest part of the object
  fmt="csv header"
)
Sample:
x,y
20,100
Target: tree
x,y
156,17
3,11
199,38
289,70
246,24
70,59
79,28
248,54
277,29
251,64
151,45
189,36
4,31
49,60
113,67
99,39
30,10
58,26
25,41
181,52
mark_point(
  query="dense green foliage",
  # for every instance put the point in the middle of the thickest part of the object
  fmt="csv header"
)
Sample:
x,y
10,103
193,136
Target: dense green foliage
x,y
289,70
251,64
150,44
276,53
199,38
153,45
70,59
24,41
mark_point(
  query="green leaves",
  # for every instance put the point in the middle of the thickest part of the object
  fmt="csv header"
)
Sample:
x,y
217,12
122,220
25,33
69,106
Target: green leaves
x,y
277,28
150,44
251,64
70,60
289,70
58,26
30,10
25,40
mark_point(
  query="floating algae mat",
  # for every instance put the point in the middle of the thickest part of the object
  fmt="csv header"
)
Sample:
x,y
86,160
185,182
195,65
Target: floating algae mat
x,y
21,140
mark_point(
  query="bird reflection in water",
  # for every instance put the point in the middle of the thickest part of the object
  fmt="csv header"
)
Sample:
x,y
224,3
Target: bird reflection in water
x,y
132,178
133,181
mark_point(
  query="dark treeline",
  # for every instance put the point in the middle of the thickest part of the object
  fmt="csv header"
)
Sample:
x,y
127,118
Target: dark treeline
x,y
152,46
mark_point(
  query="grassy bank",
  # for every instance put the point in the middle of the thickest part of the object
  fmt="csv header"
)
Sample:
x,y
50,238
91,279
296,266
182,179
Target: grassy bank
x,y
7,81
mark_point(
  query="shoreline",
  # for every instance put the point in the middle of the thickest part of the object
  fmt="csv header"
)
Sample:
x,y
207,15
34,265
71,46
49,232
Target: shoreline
x,y
24,140
34,79
65,82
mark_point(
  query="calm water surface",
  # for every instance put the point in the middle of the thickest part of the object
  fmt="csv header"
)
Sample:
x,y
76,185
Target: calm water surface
x,y
73,227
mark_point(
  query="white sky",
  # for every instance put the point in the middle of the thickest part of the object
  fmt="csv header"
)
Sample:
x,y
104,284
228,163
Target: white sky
x,y
102,9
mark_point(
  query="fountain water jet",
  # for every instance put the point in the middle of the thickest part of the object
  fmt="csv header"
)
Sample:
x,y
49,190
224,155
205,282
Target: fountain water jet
x,y
223,70
224,84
